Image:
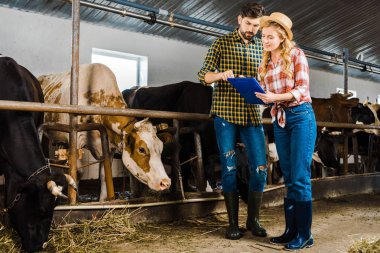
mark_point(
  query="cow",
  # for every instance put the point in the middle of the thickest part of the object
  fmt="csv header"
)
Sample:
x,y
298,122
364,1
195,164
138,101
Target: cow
x,y
186,97
338,109
367,139
136,141
31,186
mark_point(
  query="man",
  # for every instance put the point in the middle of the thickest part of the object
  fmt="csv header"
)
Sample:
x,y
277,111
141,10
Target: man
x,y
238,54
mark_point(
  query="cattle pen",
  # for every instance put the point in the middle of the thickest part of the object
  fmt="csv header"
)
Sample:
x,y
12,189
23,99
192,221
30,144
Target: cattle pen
x,y
88,110
192,205
178,204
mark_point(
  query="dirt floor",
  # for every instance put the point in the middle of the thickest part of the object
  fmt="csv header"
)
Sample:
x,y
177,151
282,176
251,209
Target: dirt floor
x,y
337,224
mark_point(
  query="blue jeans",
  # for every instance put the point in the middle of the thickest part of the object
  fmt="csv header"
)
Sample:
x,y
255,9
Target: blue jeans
x,y
295,146
254,140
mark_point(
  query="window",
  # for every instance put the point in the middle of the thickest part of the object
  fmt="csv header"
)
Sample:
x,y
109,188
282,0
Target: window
x,y
129,69
341,90
378,99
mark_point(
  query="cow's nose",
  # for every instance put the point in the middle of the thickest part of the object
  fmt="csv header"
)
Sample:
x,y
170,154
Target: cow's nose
x,y
165,184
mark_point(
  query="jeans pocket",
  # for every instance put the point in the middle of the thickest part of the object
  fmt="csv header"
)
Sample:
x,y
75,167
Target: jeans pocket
x,y
301,109
301,112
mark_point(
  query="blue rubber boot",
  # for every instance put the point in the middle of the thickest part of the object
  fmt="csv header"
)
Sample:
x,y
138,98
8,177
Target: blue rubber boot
x,y
304,238
290,223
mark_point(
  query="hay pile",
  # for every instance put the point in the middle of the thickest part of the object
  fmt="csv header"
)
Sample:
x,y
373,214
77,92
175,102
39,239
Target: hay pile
x,y
365,246
8,240
96,235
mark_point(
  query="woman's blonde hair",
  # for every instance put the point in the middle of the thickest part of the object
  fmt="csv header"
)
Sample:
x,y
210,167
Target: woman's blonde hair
x,y
286,46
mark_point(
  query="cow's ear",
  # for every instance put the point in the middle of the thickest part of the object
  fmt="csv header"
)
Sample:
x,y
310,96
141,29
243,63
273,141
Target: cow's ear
x,y
165,137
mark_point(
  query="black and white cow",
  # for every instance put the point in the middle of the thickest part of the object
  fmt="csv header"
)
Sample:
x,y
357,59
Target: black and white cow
x,y
31,187
367,139
186,97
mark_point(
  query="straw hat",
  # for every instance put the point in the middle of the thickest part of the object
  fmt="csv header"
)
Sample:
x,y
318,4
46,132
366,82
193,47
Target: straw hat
x,y
281,19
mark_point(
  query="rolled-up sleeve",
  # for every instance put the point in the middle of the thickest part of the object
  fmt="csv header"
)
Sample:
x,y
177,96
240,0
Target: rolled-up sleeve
x,y
301,75
211,62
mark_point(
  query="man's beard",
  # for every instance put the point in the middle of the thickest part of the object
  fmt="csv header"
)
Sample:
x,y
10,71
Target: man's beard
x,y
246,34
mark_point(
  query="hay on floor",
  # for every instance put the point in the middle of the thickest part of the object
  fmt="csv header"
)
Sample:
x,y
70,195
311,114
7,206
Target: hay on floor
x,y
94,235
365,246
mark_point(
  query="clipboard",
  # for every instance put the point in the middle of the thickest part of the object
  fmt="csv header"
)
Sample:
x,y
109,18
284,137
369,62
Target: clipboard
x,y
247,86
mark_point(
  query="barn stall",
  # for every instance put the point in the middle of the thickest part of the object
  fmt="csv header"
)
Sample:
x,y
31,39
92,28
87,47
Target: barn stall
x,y
171,60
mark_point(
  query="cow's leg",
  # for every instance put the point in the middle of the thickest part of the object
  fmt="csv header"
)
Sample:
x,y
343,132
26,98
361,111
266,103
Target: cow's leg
x,y
98,146
199,172
103,187
210,172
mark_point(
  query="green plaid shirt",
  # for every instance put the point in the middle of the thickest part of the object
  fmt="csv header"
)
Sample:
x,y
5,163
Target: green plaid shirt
x,y
230,52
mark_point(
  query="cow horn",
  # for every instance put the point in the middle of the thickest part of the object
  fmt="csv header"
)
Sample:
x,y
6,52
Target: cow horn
x,y
346,95
55,190
140,123
71,182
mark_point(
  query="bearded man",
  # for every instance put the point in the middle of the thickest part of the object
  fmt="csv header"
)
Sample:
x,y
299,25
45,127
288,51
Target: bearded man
x,y
238,54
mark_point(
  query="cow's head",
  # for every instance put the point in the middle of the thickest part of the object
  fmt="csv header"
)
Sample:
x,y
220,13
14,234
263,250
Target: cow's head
x,y
362,114
337,108
142,155
31,215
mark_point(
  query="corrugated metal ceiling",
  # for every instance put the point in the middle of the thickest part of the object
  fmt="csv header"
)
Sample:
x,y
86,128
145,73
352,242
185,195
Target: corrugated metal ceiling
x,y
325,25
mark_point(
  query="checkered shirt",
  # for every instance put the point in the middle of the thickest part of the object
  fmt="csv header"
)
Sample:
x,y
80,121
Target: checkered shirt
x,y
278,82
230,52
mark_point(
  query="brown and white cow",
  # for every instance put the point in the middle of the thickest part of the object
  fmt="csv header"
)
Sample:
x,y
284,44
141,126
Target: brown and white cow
x,y
337,108
136,140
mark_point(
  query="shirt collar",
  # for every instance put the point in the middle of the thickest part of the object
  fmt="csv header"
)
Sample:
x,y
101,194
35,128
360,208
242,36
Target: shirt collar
x,y
237,38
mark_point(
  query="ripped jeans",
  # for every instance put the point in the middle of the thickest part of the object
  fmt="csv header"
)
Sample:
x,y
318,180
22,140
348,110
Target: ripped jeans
x,y
254,140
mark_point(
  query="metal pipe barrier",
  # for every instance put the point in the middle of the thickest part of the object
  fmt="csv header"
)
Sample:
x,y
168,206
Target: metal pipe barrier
x,y
172,14
365,66
95,110
148,18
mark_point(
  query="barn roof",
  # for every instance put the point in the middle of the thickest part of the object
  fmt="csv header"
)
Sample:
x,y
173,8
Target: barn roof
x,y
322,27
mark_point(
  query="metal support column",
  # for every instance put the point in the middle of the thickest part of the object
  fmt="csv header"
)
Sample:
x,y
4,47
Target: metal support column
x,y
74,96
345,69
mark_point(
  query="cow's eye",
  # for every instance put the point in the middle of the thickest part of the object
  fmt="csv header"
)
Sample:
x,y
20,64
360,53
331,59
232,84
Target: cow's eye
x,y
142,151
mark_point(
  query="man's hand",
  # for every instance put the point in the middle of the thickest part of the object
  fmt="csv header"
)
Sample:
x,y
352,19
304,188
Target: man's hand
x,y
226,74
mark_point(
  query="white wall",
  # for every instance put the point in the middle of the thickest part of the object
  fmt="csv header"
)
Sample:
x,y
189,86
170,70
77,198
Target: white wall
x,y
323,83
43,45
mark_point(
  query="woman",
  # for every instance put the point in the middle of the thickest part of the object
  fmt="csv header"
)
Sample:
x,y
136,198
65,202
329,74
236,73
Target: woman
x,y
284,75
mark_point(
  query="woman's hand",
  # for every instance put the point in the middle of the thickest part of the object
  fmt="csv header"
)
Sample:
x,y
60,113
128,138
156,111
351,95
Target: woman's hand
x,y
268,97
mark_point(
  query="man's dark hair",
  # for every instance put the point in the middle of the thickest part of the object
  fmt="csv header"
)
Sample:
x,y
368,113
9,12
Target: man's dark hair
x,y
252,10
